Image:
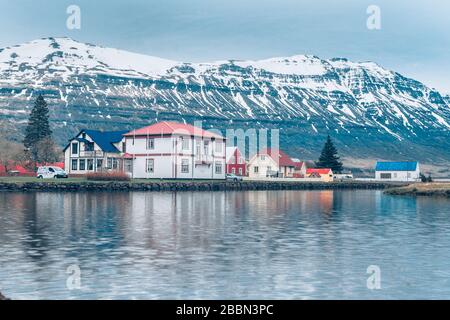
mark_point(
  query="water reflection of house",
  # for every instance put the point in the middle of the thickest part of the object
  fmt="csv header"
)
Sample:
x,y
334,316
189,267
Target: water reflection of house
x,y
318,201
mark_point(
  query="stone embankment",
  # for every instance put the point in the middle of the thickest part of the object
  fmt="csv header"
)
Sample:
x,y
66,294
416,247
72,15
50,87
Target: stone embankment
x,y
62,186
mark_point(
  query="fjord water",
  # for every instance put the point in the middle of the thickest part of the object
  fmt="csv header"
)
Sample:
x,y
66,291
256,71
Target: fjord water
x,y
223,245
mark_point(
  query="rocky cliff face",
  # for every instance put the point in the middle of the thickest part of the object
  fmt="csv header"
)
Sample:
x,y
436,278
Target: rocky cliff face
x,y
370,111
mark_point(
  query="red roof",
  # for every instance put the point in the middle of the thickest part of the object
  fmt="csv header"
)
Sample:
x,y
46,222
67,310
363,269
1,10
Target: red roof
x,y
283,159
166,127
299,165
319,171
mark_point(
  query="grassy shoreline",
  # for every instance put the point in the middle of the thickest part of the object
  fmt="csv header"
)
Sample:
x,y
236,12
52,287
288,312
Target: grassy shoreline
x,y
422,189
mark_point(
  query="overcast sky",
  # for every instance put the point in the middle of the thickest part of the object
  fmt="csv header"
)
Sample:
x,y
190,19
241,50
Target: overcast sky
x,y
414,38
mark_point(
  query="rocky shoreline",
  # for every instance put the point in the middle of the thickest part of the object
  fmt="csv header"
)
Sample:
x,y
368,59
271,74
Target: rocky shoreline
x,y
189,186
2,297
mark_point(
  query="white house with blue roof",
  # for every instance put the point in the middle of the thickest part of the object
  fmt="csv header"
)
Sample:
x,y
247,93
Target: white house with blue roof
x,y
95,151
397,171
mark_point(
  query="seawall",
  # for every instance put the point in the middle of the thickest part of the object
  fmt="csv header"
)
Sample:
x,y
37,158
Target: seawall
x,y
57,186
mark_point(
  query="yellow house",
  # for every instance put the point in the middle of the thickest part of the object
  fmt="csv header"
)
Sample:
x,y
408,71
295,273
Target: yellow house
x,y
325,174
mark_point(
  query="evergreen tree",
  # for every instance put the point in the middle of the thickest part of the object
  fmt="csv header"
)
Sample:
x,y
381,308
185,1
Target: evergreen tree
x,y
38,128
329,157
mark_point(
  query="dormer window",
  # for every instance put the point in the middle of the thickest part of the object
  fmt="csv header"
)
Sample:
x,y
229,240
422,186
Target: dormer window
x,y
89,146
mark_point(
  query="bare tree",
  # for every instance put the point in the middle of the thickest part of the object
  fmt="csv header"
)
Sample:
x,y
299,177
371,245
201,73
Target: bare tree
x,y
47,151
11,153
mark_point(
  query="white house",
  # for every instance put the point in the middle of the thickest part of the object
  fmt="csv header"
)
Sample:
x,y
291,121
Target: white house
x,y
172,150
269,163
94,151
397,171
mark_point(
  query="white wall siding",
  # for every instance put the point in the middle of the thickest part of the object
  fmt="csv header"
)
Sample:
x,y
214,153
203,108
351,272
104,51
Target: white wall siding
x,y
168,154
399,175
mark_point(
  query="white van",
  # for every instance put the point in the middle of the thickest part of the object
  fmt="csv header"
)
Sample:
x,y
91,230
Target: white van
x,y
51,173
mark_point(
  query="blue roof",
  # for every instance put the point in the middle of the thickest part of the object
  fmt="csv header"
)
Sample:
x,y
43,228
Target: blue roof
x,y
396,166
105,139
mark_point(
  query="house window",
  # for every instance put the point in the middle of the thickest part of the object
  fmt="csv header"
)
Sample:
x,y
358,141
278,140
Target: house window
x,y
185,144
82,164
185,166
263,158
150,143
150,165
240,171
99,164
206,147
128,165
124,147
74,148
198,148
395,175
115,163
256,169
90,164
89,146
233,170
241,161
218,167
219,146
74,164
409,175
385,176
109,163
269,168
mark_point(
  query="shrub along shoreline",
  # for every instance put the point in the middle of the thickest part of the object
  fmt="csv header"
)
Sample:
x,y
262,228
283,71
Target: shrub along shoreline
x,y
187,185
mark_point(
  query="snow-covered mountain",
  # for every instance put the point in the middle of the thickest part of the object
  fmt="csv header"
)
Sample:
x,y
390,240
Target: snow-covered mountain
x,y
370,111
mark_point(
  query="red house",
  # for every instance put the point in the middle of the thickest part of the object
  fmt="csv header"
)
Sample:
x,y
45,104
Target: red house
x,y
236,162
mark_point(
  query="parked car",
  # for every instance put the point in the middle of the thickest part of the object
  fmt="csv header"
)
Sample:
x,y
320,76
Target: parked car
x,y
274,174
233,177
51,173
343,176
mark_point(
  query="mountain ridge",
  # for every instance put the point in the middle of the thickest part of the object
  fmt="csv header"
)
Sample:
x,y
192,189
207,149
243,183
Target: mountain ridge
x,y
368,109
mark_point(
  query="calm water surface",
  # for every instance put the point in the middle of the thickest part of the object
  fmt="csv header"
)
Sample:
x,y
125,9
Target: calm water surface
x,y
234,245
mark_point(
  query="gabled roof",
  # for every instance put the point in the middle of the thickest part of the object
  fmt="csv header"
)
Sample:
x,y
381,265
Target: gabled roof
x,y
318,170
299,164
104,139
283,159
229,153
167,127
396,166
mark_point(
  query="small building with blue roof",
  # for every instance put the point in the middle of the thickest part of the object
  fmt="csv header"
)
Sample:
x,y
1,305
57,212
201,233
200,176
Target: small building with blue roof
x,y
397,171
95,151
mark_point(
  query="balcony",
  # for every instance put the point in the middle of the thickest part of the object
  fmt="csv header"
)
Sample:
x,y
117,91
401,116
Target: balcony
x,y
204,160
92,154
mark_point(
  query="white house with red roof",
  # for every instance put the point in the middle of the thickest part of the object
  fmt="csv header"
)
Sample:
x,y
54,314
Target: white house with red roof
x,y
271,163
300,168
171,150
